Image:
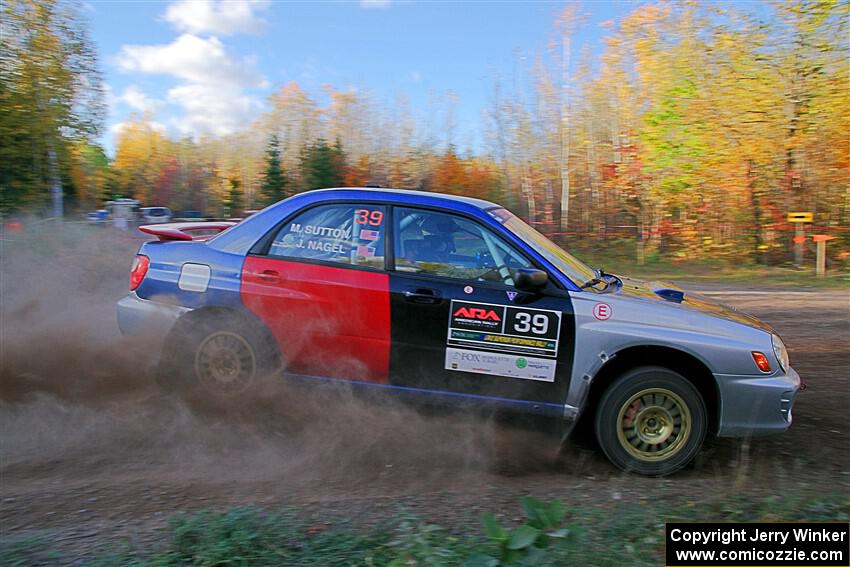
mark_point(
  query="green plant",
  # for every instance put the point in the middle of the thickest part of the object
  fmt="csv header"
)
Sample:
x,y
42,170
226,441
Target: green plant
x,y
525,544
417,543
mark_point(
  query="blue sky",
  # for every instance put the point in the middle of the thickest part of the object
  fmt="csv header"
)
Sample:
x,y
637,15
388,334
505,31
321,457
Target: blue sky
x,y
207,67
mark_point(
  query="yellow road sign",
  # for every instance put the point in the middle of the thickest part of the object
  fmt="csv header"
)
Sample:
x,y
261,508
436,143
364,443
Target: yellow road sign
x,y
801,217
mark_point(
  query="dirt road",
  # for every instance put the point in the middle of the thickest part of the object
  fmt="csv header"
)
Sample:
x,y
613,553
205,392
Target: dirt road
x,y
91,450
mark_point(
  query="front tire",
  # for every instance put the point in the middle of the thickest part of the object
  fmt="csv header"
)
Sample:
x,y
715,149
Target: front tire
x,y
651,421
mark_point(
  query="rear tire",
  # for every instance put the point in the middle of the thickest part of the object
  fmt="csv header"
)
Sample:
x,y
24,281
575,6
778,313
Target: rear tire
x,y
651,421
216,356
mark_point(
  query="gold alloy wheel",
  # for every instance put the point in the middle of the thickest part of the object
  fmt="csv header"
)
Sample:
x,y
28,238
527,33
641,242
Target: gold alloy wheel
x,y
654,424
225,362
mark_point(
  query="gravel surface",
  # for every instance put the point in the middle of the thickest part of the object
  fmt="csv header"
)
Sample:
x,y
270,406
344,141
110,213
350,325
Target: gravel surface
x,y
92,452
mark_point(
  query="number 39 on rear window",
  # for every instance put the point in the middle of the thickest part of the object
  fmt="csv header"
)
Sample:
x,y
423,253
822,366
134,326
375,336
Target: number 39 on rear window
x,y
371,218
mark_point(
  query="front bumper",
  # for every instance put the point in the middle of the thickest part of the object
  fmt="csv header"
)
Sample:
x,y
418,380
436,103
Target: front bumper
x,y
137,315
755,405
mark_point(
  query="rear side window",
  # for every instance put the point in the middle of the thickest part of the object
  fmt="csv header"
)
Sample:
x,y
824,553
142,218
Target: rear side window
x,y
343,234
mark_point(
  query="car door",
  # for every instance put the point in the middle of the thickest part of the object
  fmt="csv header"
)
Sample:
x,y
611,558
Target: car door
x,y
321,287
459,325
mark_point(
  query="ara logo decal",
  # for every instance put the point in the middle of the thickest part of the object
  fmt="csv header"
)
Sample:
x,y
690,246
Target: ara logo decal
x,y
511,295
602,311
476,313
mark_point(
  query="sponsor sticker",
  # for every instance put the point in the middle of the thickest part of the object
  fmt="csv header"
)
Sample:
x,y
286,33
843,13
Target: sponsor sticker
x,y
477,316
511,295
504,328
500,364
468,289
602,311
504,342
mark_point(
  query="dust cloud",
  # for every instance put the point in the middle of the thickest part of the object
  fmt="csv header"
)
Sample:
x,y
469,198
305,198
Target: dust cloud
x,y
78,400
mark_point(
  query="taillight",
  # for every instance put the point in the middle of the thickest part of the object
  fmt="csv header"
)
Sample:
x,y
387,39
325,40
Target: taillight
x,y
761,361
139,270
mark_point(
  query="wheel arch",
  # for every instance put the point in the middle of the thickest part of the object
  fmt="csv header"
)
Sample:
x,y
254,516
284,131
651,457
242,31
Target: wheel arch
x,y
192,319
689,366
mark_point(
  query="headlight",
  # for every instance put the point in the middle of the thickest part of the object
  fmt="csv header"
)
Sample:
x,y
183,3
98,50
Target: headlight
x,y
780,351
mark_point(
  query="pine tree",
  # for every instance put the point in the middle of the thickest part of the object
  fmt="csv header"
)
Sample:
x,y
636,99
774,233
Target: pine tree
x,y
323,165
235,202
275,182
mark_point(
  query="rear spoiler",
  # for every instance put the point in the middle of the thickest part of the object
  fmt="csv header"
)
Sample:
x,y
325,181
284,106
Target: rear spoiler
x,y
181,230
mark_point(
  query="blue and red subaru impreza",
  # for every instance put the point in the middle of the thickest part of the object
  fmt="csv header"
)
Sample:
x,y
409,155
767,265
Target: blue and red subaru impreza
x,y
455,299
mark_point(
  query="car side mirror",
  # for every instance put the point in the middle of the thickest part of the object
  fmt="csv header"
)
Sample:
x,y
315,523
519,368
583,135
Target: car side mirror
x,y
530,279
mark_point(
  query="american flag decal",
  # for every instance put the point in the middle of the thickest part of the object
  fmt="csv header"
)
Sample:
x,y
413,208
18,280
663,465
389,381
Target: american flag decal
x,y
369,234
365,251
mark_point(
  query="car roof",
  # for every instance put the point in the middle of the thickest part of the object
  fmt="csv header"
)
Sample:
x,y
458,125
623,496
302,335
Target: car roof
x,y
243,235
408,196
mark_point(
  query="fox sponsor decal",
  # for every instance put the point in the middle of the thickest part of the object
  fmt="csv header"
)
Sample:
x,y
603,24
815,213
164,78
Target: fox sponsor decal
x,y
504,328
499,364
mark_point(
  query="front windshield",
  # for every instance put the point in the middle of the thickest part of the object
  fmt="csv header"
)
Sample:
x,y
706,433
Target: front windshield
x,y
569,265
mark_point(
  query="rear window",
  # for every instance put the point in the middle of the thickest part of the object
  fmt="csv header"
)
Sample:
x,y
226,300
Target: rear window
x,y
340,233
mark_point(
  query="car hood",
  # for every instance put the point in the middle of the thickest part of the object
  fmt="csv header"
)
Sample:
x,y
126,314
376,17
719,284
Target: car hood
x,y
675,297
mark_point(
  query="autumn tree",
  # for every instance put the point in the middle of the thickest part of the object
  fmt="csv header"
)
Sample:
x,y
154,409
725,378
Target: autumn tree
x,y
89,173
141,152
449,174
51,96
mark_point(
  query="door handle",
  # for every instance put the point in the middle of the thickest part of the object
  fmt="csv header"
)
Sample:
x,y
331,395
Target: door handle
x,y
422,295
269,276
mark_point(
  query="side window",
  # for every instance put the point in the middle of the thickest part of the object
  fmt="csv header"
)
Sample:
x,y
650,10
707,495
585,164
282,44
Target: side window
x,y
345,234
447,245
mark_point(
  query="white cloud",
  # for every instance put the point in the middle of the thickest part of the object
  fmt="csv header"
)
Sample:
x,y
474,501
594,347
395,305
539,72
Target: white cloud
x,y
375,3
192,59
210,109
220,17
137,100
212,83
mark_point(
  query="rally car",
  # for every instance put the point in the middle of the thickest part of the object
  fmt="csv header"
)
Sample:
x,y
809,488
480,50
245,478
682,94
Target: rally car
x,y
456,300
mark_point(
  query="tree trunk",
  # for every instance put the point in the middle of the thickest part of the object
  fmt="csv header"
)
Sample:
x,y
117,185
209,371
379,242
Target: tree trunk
x,y
565,133
528,192
755,205
55,180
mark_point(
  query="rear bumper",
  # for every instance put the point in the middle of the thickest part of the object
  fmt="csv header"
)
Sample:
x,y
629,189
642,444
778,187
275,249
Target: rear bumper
x,y
755,405
137,315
